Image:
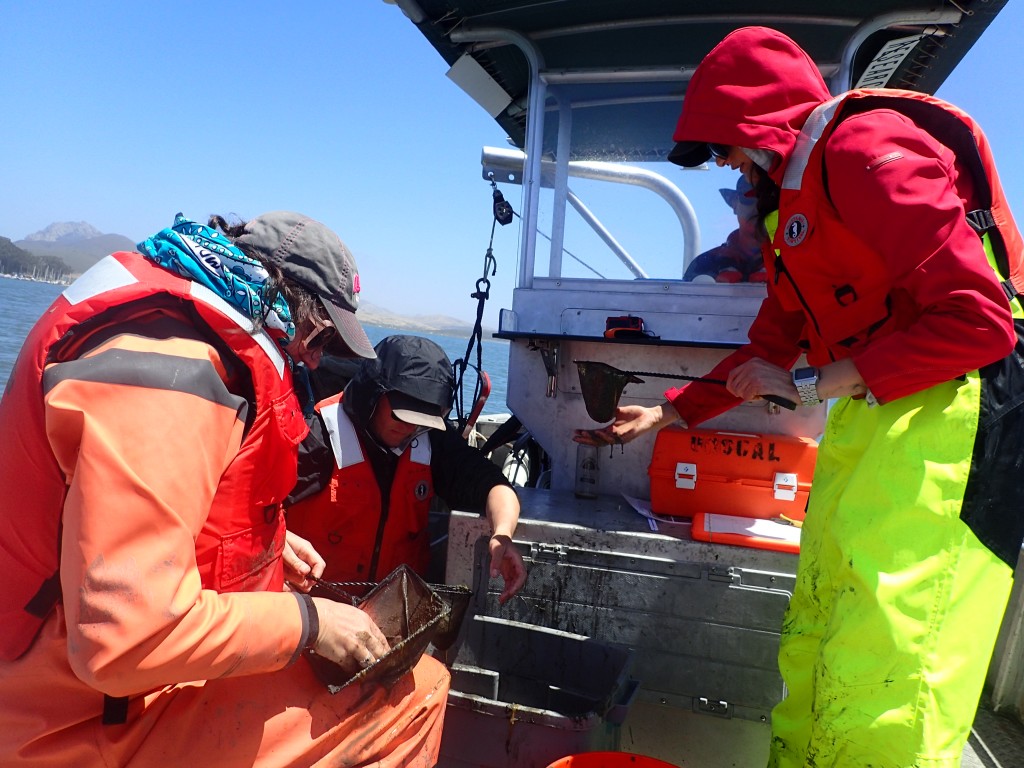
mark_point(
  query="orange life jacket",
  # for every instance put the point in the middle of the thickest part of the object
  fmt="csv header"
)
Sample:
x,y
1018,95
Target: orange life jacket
x,y
239,547
847,306
362,537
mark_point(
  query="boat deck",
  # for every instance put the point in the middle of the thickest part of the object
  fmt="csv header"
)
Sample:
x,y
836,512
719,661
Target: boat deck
x,y
566,538
995,742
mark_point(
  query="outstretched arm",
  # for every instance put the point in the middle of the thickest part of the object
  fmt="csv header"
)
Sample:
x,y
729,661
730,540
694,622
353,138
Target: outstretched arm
x,y
503,513
631,421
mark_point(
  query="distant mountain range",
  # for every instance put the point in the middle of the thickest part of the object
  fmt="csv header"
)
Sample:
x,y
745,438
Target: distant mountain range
x,y
79,245
371,314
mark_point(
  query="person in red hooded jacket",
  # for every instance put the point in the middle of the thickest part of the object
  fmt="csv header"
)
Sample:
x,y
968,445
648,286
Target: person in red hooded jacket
x,y
914,522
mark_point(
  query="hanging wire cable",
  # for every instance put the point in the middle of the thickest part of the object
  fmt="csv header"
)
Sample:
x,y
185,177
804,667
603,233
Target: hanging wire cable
x,y
566,251
502,213
571,255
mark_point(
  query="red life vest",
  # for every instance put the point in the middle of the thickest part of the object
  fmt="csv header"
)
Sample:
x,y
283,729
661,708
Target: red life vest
x,y
847,306
348,523
239,547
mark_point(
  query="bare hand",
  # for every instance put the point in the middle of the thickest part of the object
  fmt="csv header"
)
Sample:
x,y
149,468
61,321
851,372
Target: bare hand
x,y
348,636
302,563
756,378
507,562
631,421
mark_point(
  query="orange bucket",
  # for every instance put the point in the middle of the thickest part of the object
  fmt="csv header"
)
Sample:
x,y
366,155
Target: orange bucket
x,y
609,760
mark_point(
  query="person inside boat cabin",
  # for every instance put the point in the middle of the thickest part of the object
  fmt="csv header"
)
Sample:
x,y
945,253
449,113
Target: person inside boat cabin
x,y
377,454
149,435
883,270
738,259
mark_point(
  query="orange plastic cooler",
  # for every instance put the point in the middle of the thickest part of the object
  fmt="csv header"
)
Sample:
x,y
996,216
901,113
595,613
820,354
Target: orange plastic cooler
x,y
731,473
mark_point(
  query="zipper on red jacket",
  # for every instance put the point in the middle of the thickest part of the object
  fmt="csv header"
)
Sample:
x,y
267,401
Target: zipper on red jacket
x,y
385,508
780,268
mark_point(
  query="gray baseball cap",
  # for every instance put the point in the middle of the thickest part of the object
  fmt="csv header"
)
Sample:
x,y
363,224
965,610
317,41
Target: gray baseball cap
x,y
312,255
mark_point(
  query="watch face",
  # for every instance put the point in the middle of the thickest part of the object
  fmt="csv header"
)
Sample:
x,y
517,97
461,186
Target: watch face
x,y
805,376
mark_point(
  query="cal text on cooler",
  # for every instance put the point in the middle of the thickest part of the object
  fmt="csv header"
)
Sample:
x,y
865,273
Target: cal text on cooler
x,y
731,473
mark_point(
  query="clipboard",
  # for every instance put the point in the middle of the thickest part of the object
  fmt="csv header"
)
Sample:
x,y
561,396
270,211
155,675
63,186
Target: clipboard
x,y
759,533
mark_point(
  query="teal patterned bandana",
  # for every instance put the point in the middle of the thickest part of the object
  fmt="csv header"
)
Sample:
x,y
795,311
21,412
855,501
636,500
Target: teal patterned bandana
x,y
203,254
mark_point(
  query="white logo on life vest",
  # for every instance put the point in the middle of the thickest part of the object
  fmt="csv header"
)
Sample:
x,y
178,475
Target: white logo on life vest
x,y
421,490
796,229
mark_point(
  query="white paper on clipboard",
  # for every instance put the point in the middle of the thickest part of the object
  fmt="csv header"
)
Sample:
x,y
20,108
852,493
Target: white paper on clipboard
x,y
749,526
643,507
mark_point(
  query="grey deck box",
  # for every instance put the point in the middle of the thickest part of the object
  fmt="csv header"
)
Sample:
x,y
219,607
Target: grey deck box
x,y
703,620
523,696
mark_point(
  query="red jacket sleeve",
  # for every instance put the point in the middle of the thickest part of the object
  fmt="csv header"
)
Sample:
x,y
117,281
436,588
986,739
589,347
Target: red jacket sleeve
x,y
773,336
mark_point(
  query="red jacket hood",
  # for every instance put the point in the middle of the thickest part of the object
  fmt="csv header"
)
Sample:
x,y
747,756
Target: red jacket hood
x,y
754,89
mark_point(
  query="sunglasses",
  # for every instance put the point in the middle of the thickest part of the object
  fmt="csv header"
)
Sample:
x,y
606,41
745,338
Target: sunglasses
x,y
320,337
719,151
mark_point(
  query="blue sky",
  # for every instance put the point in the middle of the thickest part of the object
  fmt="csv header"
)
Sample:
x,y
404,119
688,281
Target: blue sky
x,y
121,114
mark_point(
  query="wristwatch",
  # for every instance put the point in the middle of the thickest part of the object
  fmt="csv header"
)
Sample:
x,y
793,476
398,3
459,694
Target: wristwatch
x,y
806,382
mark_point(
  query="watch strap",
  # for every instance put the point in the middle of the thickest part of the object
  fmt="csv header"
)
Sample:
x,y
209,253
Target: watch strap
x,y
310,621
806,382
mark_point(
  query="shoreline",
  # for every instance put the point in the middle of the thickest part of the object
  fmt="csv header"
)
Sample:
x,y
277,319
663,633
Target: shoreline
x,y
31,279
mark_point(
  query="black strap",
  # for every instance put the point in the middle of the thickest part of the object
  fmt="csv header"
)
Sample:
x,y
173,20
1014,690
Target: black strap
x,y
981,220
310,621
47,596
115,710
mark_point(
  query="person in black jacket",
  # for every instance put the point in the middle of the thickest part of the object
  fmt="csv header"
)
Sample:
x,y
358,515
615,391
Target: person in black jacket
x,y
376,456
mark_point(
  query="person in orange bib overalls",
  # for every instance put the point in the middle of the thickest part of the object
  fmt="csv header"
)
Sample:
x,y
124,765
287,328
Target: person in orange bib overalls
x,y
148,435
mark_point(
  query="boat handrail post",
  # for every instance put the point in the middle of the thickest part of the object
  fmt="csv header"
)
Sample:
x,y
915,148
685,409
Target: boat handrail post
x,y
534,135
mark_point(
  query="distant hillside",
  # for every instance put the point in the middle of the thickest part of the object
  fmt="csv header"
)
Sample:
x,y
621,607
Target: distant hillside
x,y
77,243
18,261
65,232
371,314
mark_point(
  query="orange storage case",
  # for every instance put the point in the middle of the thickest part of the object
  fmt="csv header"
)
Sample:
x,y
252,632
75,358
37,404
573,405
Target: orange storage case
x,y
731,473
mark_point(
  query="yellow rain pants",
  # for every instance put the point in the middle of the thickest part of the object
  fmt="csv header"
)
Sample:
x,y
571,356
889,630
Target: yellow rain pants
x,y
897,603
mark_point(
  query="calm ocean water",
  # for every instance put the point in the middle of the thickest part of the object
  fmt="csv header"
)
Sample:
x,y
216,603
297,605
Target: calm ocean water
x,y
24,301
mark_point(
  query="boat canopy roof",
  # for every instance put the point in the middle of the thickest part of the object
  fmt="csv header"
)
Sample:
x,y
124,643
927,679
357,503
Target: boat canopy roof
x,y
622,66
